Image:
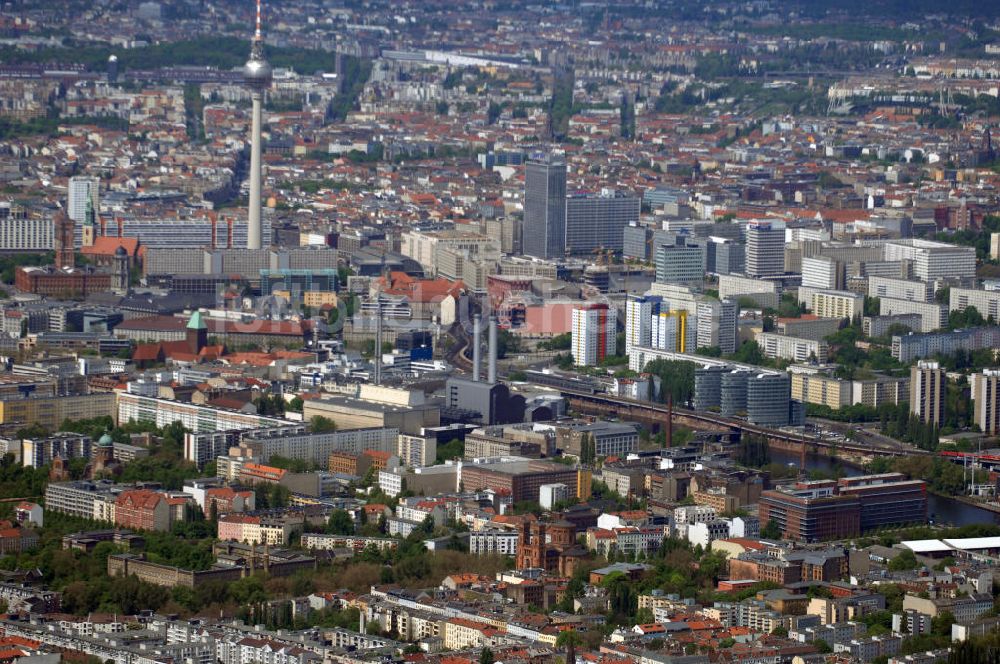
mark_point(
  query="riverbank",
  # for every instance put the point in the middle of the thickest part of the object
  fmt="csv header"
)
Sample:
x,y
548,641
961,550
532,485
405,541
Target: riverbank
x,y
989,507
942,508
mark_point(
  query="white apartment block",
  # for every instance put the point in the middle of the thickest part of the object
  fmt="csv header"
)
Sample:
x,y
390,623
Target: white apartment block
x,y
423,246
732,286
717,324
900,289
416,451
822,272
704,533
32,234
793,348
689,514
493,541
986,302
317,447
669,331
638,316
832,303
594,331
161,412
933,316
933,260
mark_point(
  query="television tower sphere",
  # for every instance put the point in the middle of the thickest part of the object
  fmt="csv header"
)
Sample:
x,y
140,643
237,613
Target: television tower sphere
x,y
257,72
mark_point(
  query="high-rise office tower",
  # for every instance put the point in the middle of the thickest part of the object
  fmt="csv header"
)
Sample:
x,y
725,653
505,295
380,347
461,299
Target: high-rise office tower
x,y
680,263
927,392
768,399
598,222
987,404
594,333
765,249
83,190
257,75
543,231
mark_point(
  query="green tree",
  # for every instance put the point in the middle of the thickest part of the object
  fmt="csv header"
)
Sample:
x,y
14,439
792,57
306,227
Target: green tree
x,y
771,530
340,523
903,562
320,424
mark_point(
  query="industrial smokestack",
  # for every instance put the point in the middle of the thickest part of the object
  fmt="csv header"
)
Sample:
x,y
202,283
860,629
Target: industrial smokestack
x,y
378,340
492,371
477,343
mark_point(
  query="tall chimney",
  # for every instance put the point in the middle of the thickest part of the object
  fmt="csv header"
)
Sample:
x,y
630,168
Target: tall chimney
x,y
491,375
670,419
378,339
477,343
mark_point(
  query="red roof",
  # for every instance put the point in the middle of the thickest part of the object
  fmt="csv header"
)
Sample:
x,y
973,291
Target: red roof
x,y
106,246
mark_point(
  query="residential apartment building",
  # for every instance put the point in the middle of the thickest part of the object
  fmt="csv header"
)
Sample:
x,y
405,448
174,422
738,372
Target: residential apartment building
x,y
812,386
594,334
717,324
38,452
765,293
493,541
196,418
986,412
879,326
933,260
78,498
51,412
142,509
416,450
986,302
639,313
822,272
933,315
26,233
832,303
900,289
669,331
793,348
907,348
928,389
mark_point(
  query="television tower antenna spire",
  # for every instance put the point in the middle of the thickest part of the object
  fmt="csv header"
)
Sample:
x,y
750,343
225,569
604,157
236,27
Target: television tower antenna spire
x,y
257,35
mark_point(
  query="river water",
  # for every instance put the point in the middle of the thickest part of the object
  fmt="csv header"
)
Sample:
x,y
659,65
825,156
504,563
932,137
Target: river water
x,y
940,509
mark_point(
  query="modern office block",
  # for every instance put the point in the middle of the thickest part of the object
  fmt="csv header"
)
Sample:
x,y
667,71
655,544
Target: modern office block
x,y
765,249
734,392
595,222
768,399
84,194
708,387
680,263
543,232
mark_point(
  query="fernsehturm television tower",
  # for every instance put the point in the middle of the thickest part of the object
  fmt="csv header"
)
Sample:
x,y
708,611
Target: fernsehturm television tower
x,y
257,74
